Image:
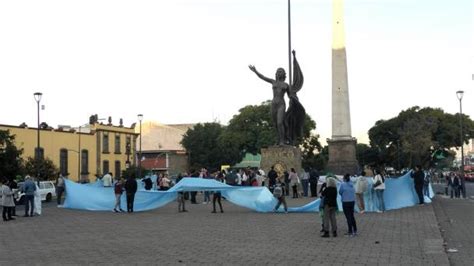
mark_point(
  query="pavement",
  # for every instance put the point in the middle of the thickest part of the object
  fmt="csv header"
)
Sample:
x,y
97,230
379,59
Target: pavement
x,y
239,236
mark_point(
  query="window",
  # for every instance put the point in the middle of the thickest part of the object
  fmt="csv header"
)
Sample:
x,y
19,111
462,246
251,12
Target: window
x,y
105,167
117,143
84,162
105,143
63,162
117,169
39,152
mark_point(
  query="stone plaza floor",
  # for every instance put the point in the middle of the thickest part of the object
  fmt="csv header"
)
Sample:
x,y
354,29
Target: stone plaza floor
x,y
238,236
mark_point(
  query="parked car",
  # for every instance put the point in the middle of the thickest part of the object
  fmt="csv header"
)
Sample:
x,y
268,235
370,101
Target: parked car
x,y
47,191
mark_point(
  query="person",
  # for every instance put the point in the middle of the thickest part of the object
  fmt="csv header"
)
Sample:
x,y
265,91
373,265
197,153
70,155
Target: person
x,y
272,177
286,182
107,180
418,179
288,125
59,189
165,182
29,189
148,183
330,206
454,184
379,188
426,184
14,187
195,174
207,195
217,194
294,180
7,200
231,178
305,181
38,207
279,194
181,199
118,190
260,177
313,182
130,189
347,192
360,188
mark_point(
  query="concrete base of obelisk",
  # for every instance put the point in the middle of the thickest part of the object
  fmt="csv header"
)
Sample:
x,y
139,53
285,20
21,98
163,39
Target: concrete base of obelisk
x,y
342,157
283,158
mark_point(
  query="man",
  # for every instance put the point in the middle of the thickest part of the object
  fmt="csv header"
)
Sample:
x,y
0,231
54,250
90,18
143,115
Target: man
x,y
231,178
418,178
59,189
272,177
454,183
313,182
131,189
107,180
305,181
29,189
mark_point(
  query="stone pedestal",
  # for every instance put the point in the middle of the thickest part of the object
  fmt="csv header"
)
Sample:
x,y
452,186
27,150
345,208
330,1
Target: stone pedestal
x,y
342,156
283,158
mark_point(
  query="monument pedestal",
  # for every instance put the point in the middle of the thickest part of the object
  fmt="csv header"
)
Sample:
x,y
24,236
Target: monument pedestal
x,y
283,158
342,156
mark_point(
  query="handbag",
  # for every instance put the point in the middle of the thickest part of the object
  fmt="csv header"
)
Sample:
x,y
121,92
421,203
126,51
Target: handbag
x,y
378,183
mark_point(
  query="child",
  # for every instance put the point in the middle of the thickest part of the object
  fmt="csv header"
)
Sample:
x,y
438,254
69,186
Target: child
x,y
279,193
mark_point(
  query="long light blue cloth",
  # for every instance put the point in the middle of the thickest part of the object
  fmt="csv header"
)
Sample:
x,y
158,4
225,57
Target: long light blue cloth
x,y
399,193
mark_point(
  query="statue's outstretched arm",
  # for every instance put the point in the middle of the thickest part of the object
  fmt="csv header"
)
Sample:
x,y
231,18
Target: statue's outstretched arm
x,y
254,70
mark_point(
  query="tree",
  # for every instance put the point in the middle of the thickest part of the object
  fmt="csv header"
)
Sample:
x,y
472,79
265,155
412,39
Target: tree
x,y
310,149
416,133
207,147
43,168
132,172
367,155
10,156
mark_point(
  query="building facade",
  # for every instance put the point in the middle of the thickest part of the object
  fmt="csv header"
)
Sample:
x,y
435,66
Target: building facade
x,y
82,153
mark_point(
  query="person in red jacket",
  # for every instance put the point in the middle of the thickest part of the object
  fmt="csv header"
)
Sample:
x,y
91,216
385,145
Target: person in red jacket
x,y
118,190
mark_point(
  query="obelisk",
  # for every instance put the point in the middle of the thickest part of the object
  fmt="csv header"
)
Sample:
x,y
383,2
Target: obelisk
x,y
342,146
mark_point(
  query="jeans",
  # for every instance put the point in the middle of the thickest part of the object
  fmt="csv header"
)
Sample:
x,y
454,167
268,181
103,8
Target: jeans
x,y
29,204
130,200
280,201
305,184
348,208
426,190
207,196
330,216
59,194
380,202
419,192
314,189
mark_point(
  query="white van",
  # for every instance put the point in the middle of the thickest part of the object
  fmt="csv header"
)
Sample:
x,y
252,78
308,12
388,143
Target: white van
x,y
46,188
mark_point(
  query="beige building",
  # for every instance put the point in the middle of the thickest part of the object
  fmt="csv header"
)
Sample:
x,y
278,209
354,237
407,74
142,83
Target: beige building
x,y
82,152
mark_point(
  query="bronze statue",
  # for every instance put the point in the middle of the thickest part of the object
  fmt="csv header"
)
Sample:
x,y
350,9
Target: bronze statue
x,y
289,125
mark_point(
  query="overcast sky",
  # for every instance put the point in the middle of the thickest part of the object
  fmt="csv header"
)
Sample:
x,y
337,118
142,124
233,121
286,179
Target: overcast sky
x,y
185,61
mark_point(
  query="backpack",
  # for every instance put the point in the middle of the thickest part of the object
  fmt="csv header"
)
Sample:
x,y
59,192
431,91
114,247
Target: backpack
x,y
277,192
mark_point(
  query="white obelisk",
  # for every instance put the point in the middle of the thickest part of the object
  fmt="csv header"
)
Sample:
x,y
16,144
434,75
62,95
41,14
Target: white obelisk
x,y
342,152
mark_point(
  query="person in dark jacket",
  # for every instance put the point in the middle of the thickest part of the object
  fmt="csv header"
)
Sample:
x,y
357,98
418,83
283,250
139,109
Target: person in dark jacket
x,y
418,178
313,182
330,207
454,184
130,189
272,177
148,183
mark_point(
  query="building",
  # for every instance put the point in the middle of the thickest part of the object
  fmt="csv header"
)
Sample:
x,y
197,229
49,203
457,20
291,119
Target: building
x,y
162,151
83,152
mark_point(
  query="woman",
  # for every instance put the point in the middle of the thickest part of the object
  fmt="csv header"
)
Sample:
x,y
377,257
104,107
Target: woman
x,y
330,207
360,188
294,180
379,188
118,190
37,209
165,182
7,201
217,194
347,193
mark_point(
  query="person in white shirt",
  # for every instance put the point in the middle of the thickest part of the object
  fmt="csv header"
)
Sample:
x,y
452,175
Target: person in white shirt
x,y
360,188
107,180
379,187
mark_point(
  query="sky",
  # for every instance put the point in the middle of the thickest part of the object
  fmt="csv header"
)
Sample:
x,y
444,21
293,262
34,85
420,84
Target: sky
x,y
186,61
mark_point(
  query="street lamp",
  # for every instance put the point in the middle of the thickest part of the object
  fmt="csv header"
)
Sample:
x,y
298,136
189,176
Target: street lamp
x,y
38,96
140,118
459,94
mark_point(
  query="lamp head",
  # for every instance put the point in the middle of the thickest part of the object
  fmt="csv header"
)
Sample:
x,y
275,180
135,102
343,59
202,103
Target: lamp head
x,y
140,117
38,96
459,94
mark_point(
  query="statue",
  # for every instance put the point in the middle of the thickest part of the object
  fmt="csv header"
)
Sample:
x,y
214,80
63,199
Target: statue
x,y
289,124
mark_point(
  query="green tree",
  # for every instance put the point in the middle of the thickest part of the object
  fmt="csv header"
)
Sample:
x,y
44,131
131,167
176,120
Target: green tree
x,y
367,155
42,167
208,148
10,156
310,152
132,171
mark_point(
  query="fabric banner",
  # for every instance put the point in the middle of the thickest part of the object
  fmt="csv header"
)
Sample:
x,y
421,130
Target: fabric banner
x,y
399,193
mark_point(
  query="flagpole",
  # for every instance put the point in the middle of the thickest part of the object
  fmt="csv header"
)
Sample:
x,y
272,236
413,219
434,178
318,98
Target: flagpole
x,y
289,43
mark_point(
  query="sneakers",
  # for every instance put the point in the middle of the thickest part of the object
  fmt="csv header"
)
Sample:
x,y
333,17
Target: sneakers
x,y
334,234
325,235
122,210
115,210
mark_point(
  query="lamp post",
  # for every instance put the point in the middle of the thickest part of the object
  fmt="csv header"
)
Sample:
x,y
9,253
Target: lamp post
x,y
140,118
38,96
459,94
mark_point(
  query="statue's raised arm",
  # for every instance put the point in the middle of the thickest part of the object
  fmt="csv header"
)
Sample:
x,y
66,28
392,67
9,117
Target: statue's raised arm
x,y
254,70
